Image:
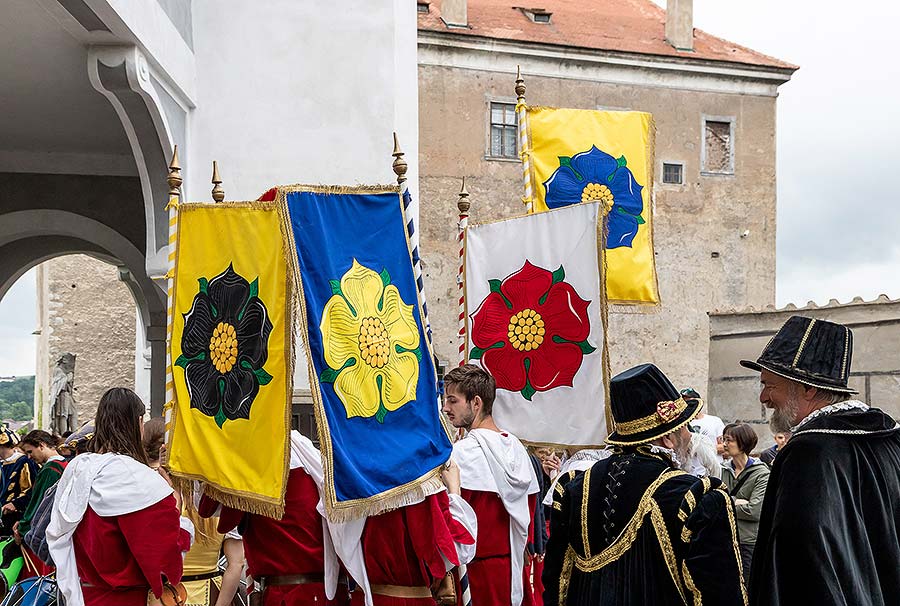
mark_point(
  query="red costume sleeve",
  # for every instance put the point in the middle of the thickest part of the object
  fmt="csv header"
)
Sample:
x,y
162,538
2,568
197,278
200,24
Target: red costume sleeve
x,y
156,540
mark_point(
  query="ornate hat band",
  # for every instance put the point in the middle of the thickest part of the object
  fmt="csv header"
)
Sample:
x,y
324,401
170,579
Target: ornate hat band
x,y
665,412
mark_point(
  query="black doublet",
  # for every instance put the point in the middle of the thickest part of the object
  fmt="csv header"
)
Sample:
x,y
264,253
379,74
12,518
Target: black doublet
x,y
632,530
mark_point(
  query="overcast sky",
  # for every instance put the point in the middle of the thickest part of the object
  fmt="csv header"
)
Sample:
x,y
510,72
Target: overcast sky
x,y
838,153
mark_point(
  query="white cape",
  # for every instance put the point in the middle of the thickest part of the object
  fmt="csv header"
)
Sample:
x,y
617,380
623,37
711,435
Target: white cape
x,y
112,485
497,462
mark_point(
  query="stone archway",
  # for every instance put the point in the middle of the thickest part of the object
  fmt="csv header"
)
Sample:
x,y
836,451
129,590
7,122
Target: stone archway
x,y
29,237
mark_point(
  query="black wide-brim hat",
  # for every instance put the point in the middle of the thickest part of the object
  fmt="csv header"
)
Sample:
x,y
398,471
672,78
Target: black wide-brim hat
x,y
646,406
813,352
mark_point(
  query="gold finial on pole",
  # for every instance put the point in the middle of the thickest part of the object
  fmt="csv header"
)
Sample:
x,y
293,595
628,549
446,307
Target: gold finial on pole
x,y
218,194
174,177
463,204
520,86
400,166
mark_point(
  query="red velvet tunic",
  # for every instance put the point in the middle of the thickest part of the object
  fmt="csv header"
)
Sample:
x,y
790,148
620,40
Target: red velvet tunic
x,y
404,546
289,546
490,572
120,558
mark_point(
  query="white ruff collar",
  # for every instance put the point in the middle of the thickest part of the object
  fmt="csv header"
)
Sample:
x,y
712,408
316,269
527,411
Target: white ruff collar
x,y
830,409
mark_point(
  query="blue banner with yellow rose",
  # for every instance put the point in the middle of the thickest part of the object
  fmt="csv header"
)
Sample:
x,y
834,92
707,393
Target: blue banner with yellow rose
x,y
371,368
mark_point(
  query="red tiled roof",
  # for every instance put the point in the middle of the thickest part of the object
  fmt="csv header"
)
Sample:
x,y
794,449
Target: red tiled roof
x,y
630,26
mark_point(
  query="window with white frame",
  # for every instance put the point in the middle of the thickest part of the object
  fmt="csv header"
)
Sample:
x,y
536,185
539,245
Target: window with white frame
x,y
718,146
504,135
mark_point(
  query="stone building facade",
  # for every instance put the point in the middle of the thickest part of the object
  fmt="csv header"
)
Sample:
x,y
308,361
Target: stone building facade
x,y
714,105
85,309
742,335
714,108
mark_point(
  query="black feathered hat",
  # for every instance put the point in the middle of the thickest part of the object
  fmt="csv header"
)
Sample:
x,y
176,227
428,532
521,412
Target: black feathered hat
x,y
645,406
813,352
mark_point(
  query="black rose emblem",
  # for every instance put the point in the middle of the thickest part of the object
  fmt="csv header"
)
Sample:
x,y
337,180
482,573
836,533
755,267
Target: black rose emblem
x,y
225,346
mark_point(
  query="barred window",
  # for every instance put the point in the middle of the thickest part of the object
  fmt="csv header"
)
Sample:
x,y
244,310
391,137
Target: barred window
x,y
504,136
718,147
673,173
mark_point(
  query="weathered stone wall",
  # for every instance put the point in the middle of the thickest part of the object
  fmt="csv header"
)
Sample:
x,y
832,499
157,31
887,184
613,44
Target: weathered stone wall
x,y
874,369
91,314
703,262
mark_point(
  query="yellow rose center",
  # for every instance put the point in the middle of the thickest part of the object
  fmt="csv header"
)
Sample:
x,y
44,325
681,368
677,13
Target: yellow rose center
x,y
526,330
374,344
223,347
595,191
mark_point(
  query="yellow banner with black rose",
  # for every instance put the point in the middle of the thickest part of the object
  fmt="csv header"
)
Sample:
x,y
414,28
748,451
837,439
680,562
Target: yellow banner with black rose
x,y
231,353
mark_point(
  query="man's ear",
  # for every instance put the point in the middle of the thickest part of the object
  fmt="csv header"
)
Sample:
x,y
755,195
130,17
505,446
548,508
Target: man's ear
x,y
477,405
667,441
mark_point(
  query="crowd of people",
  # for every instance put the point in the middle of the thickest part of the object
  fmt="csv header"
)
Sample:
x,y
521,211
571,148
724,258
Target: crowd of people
x,y
679,508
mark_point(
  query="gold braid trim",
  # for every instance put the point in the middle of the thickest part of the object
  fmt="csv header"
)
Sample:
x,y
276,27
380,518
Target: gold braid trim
x,y
686,535
623,542
584,511
734,540
566,575
557,505
651,421
665,545
689,581
559,489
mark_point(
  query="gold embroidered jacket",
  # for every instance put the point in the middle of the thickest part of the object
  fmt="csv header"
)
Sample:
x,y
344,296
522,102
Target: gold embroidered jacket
x,y
633,531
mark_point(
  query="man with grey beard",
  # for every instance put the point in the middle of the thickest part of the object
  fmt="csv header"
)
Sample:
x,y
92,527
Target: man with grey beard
x,y
830,526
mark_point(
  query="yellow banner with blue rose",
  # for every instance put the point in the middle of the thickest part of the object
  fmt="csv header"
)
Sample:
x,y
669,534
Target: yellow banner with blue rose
x,y
231,351
577,155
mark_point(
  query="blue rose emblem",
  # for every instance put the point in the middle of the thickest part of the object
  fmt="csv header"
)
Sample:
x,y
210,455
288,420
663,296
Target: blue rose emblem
x,y
595,175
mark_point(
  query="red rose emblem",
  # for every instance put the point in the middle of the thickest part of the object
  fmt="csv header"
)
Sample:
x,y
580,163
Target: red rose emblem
x,y
531,331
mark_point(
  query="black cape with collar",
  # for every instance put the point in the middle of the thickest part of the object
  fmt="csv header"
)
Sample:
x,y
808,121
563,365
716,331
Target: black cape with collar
x,y
633,531
829,528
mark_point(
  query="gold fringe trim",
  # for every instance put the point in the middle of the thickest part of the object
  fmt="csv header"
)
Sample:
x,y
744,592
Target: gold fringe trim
x,y
400,496
338,190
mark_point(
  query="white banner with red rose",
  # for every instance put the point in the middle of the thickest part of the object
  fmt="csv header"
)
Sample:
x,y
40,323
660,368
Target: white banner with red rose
x,y
532,291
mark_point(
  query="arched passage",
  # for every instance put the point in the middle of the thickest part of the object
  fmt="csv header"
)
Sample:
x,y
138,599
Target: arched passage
x,y
29,237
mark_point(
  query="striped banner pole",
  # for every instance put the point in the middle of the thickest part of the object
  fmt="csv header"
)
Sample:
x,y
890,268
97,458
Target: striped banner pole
x,y
463,205
174,180
410,212
522,126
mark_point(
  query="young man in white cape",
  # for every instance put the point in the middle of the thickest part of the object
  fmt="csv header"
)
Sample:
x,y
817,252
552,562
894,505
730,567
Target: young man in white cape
x,y
497,480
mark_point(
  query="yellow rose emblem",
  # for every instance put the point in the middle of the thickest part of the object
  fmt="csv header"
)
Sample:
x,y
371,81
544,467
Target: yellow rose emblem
x,y
371,344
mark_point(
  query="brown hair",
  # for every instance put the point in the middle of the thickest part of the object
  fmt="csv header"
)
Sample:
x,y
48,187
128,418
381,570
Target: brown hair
x,y
117,427
743,435
36,437
154,435
471,381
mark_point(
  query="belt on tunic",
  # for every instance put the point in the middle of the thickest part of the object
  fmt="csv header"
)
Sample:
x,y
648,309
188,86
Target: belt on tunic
x,y
292,579
401,591
201,577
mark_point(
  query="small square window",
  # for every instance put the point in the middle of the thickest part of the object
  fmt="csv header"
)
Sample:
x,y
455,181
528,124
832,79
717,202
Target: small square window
x,y
718,147
422,7
504,132
673,173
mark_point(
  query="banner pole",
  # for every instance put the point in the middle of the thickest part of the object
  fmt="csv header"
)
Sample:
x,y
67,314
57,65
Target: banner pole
x,y
410,213
522,126
463,205
174,180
